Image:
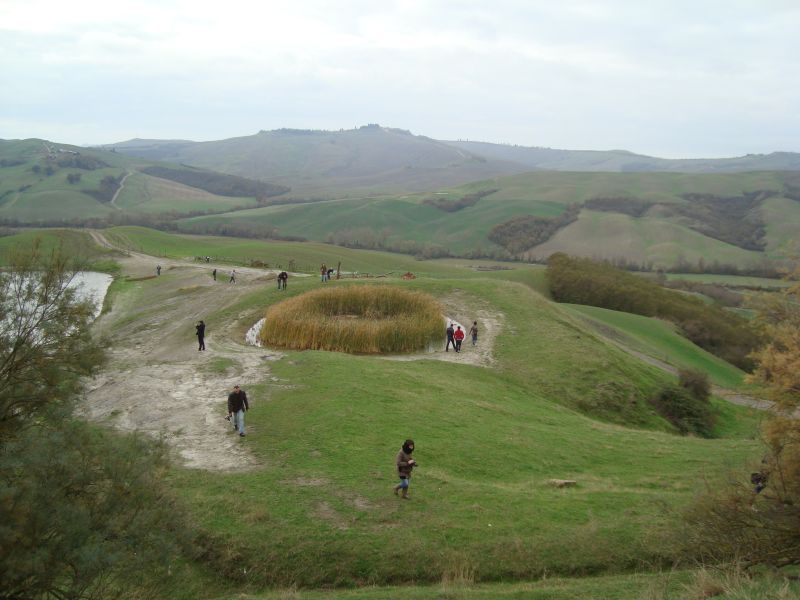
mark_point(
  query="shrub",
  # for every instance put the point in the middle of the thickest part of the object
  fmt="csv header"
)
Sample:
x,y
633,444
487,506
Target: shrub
x,y
687,412
357,319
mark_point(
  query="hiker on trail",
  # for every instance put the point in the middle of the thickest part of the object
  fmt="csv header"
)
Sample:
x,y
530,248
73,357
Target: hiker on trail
x,y
458,336
201,334
214,274
158,269
323,271
283,277
233,276
473,332
330,272
237,406
450,332
404,466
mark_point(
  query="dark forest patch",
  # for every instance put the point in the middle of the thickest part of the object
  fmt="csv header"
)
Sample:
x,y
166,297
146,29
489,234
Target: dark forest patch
x,y
455,205
732,219
219,184
627,205
522,233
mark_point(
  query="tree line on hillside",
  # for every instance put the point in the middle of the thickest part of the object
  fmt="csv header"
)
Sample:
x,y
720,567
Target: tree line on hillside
x,y
448,205
108,187
524,232
734,219
219,184
586,281
626,205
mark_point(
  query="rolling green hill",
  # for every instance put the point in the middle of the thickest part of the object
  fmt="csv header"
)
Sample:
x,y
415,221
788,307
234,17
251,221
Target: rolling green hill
x,y
315,508
678,218
46,183
558,402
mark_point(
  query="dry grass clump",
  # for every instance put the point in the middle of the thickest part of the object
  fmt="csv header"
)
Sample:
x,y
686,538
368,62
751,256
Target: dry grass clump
x,y
367,319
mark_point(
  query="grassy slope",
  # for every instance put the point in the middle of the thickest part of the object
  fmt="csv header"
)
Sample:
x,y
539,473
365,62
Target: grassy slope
x,y
542,194
321,511
611,235
76,244
307,256
54,198
733,281
782,217
145,194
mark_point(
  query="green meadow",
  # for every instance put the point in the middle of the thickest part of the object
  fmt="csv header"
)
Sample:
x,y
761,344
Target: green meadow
x,y
661,340
660,239
557,401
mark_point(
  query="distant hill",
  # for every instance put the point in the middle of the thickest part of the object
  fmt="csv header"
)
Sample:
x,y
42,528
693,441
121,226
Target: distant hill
x,y
626,162
367,160
46,183
374,160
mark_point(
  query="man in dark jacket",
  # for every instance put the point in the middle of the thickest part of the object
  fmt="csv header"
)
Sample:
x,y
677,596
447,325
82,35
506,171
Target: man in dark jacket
x,y
201,335
283,277
450,332
404,466
237,406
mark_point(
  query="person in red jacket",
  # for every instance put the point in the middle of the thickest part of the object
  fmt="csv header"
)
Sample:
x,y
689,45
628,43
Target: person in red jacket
x,y
458,336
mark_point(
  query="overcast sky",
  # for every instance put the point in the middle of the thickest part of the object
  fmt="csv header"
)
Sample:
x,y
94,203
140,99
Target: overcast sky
x,y
671,78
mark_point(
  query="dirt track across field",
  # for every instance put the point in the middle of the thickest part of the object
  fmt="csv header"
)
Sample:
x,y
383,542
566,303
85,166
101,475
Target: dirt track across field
x,y
157,381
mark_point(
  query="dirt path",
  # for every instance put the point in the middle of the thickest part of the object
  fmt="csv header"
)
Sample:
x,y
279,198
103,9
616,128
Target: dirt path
x,y
463,310
156,380
119,189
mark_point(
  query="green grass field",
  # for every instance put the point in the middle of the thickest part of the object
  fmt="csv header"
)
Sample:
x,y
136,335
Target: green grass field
x,y
320,512
657,239
559,401
661,340
76,244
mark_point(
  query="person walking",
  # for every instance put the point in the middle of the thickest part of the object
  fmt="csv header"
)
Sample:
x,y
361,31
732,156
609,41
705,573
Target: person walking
x,y
450,331
214,274
233,276
237,406
473,332
405,464
201,334
158,269
283,277
323,271
458,336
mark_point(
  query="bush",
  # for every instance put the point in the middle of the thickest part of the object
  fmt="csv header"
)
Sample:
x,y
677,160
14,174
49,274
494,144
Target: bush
x,y
687,412
358,319
84,514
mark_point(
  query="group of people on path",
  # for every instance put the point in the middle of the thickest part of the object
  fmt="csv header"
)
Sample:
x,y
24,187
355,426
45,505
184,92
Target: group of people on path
x,y
325,272
456,336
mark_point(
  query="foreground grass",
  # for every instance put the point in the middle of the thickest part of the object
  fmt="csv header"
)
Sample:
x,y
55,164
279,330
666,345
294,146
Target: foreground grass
x,y
652,586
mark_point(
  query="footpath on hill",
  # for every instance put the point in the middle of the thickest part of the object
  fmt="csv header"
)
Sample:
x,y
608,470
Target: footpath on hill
x,y
156,380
